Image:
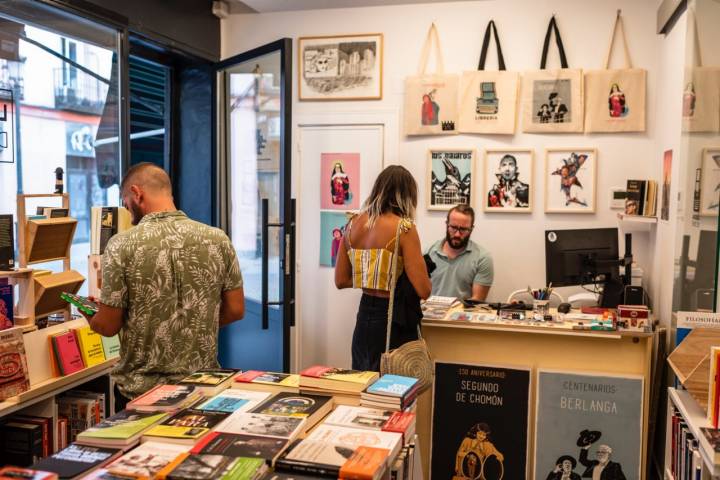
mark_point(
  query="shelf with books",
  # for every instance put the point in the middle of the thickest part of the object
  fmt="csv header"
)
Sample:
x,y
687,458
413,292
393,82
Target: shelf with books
x,y
24,304
696,419
44,377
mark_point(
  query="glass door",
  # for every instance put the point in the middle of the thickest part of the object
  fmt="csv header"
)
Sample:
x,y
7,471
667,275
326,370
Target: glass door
x,y
253,99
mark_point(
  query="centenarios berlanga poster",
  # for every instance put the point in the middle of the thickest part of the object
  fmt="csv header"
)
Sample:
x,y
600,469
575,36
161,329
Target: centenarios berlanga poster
x,y
480,422
588,423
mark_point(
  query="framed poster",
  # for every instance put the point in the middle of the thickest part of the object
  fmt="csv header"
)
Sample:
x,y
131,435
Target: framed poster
x,y
570,180
586,423
332,228
340,67
479,422
710,182
449,177
340,181
508,181
7,126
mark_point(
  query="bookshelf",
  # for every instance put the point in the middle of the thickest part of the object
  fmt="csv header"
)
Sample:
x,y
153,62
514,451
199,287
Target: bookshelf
x,y
694,415
636,223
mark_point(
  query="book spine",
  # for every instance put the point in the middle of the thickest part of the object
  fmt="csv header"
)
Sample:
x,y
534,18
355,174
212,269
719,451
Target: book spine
x,y
308,468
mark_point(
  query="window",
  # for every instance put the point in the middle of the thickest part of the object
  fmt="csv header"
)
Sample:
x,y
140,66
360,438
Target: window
x,y
59,84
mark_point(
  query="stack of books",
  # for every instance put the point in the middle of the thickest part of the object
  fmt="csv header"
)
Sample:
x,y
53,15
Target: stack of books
x,y
312,408
373,419
77,460
122,430
345,385
641,198
268,381
391,391
146,460
185,427
190,466
165,398
437,307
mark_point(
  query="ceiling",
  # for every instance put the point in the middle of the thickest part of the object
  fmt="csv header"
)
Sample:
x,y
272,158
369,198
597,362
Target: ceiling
x,y
265,6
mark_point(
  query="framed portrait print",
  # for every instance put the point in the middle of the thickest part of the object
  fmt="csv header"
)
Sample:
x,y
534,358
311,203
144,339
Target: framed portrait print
x,y
340,67
570,180
449,177
710,182
508,181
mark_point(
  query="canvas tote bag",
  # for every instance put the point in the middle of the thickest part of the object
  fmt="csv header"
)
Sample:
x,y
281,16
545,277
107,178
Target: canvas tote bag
x,y
411,359
431,98
615,99
701,91
488,100
553,99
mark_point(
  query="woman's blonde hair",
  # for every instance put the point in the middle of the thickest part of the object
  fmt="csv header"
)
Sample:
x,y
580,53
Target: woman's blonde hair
x,y
395,191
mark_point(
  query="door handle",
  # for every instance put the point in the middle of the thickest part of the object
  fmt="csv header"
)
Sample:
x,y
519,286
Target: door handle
x,y
264,240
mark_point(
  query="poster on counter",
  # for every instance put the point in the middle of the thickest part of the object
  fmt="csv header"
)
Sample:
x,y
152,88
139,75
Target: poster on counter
x,y
480,422
588,425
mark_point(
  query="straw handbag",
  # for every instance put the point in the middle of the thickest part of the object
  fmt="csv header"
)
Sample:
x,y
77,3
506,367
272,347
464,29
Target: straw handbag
x,y
411,359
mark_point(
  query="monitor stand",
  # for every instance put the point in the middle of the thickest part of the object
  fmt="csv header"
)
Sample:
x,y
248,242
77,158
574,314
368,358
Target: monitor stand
x,y
612,293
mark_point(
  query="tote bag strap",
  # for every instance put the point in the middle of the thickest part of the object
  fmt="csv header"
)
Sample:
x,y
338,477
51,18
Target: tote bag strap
x,y
552,26
432,37
486,44
618,26
692,23
393,282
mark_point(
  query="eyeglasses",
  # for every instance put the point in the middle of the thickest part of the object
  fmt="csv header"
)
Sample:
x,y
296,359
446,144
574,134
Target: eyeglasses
x,y
455,228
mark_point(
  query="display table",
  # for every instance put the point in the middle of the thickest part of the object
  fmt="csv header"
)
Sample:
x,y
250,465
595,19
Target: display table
x,y
537,346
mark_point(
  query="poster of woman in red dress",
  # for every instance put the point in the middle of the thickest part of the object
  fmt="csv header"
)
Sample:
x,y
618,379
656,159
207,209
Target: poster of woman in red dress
x,y
343,189
616,102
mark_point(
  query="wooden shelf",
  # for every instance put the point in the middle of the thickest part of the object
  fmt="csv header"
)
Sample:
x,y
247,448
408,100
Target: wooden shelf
x,y
695,418
636,223
49,287
15,273
54,386
49,239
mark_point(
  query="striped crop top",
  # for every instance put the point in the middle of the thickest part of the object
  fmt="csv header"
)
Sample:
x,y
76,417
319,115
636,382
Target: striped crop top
x,y
371,266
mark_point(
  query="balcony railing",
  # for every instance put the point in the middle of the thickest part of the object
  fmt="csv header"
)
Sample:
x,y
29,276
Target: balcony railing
x,y
78,92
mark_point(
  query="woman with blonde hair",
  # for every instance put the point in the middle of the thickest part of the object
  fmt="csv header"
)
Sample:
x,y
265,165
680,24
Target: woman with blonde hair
x,y
365,261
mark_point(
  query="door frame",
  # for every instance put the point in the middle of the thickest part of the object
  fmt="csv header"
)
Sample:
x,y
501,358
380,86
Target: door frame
x,y
221,180
389,119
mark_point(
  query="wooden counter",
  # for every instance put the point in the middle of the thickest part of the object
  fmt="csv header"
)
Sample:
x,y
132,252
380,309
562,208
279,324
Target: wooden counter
x,y
538,346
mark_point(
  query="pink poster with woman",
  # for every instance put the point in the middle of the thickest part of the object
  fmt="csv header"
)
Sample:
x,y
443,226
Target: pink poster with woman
x,y
340,181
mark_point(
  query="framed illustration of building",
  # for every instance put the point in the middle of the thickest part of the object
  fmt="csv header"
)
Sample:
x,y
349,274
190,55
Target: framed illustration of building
x,y
508,185
450,174
570,180
340,67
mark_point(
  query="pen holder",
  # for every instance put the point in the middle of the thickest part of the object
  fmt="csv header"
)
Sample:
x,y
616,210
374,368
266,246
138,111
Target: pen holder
x,y
541,307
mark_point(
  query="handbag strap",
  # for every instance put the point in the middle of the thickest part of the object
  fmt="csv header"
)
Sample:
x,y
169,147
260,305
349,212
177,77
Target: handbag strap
x,y
393,281
692,23
552,26
432,37
486,44
618,25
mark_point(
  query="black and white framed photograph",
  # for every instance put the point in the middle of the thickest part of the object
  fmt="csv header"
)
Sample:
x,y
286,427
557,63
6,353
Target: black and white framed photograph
x,y
508,184
570,180
340,67
710,182
449,177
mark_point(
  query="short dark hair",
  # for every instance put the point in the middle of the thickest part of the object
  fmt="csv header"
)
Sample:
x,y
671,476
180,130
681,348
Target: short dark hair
x,y
479,427
463,209
147,175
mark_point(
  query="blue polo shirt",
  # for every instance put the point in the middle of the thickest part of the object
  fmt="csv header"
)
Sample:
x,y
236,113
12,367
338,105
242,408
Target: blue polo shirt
x,y
455,277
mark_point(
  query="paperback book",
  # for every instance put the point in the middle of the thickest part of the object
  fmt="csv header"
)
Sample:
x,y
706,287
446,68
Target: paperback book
x,y
312,407
358,417
90,345
241,445
210,381
336,379
67,352
186,426
7,305
268,381
366,463
15,378
165,398
147,459
264,425
350,439
25,473
111,346
77,460
121,430
213,467
233,400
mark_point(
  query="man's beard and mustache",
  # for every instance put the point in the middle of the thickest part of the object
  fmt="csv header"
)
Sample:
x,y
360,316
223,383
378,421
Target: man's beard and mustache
x,y
456,243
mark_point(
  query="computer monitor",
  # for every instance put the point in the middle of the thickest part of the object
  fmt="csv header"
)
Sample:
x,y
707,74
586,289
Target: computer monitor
x,y
584,257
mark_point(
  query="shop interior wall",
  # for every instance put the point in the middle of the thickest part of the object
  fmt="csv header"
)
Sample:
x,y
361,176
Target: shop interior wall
x,y
516,241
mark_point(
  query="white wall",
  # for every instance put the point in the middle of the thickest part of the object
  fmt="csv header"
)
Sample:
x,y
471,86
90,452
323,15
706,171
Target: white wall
x,y
516,241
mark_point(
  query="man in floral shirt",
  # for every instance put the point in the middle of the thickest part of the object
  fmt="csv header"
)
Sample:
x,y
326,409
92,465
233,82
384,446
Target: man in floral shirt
x,y
168,284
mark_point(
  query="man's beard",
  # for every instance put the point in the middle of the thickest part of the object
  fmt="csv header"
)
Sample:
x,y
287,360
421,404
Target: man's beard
x,y
457,243
135,213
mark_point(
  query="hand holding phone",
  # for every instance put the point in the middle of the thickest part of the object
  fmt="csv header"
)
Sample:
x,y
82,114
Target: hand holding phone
x,y
84,304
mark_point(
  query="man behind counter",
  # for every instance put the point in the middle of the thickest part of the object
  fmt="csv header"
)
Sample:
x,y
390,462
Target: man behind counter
x,y
464,268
